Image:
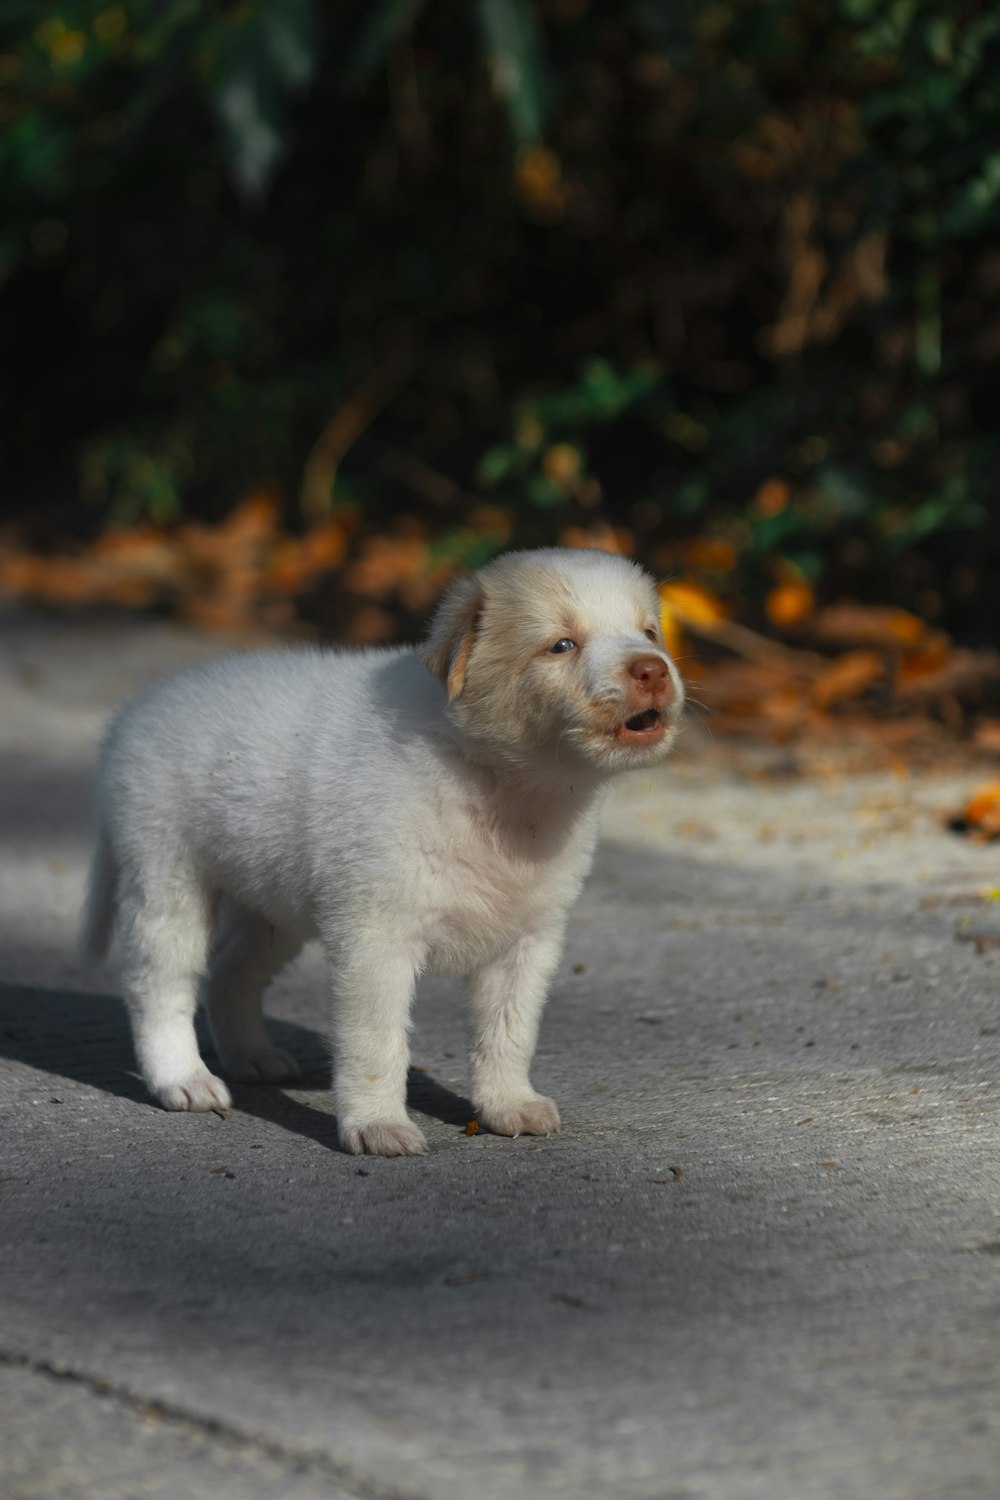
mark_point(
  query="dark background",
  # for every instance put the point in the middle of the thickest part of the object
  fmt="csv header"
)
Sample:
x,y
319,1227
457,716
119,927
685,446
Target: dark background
x,y
715,282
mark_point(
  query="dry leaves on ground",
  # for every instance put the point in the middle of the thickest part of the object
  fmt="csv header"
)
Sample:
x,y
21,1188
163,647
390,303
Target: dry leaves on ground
x,y
875,673
980,817
845,668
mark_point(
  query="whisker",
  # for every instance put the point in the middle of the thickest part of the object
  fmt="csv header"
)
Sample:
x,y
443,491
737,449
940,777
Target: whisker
x,y
707,708
699,716
696,711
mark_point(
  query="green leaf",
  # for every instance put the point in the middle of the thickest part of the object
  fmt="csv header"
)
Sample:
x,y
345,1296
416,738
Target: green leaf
x,y
495,465
543,493
974,207
842,492
928,326
514,51
810,564
940,37
772,533
690,498
267,55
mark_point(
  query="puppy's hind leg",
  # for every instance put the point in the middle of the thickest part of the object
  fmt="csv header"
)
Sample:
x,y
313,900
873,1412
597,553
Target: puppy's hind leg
x,y
247,954
164,918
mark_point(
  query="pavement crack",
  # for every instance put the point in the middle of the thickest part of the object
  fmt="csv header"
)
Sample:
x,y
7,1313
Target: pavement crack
x,y
298,1460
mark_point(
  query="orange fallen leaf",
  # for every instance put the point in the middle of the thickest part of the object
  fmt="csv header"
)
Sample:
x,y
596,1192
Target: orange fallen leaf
x,y
296,562
982,812
740,687
851,624
986,735
772,497
388,562
710,552
133,544
472,1128
290,570
963,673
324,545
254,519
847,677
789,604
785,706
63,580
925,662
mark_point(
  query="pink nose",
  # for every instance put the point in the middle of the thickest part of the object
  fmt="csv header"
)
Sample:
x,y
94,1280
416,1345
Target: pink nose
x,y
651,677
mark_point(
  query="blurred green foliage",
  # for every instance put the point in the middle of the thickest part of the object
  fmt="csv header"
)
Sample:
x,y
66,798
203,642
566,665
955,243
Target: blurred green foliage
x,y
617,259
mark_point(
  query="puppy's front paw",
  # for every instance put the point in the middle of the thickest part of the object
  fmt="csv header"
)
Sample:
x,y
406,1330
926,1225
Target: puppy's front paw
x,y
199,1092
534,1115
264,1064
381,1138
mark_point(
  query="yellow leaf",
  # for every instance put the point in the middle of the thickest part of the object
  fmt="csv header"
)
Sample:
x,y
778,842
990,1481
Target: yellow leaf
x,y
562,463
691,603
539,176
673,635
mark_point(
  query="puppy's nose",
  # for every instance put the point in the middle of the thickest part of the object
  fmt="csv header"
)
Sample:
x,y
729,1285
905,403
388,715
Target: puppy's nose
x,y
651,677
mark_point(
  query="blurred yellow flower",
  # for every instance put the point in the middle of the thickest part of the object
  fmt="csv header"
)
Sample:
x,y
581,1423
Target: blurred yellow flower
x,y
562,463
63,44
540,184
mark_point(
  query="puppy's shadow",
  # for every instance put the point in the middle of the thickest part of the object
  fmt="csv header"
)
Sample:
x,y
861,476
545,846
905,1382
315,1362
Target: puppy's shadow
x,y
85,1038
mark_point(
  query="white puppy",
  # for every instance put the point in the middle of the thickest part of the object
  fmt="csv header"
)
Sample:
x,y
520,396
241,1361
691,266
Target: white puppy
x,y
429,811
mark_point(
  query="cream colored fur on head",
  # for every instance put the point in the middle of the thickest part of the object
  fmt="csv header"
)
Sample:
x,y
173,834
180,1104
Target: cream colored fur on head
x,y
416,812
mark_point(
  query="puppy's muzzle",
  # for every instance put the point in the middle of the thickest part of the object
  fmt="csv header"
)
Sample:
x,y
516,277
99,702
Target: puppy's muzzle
x,y
650,692
650,697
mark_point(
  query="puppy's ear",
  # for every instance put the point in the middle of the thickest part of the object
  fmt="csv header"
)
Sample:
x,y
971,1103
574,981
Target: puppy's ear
x,y
453,632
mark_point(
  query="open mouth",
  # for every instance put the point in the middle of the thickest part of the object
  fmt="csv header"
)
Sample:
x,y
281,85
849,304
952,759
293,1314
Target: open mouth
x,y
646,725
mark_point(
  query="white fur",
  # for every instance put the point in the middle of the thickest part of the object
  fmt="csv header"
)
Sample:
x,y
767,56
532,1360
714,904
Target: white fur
x,y
431,812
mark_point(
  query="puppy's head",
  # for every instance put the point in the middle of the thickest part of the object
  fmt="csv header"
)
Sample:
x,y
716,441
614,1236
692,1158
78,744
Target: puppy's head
x,y
558,655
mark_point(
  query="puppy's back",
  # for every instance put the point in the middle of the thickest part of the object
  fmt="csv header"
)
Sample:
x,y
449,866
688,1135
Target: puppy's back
x,y
251,766
252,716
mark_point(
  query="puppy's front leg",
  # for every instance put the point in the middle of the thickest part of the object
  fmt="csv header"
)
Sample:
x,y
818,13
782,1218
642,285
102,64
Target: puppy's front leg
x,y
506,999
373,992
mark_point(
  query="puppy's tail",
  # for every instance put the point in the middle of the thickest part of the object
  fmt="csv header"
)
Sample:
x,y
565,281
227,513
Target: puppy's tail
x,y
101,904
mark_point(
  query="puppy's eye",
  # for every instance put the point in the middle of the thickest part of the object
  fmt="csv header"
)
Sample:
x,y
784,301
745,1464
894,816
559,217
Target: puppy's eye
x,y
650,634
564,645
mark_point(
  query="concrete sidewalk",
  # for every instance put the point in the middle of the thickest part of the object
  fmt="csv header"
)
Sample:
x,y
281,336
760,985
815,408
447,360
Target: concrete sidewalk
x,y
762,1262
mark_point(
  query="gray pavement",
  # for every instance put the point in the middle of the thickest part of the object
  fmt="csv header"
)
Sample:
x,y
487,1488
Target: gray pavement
x,y
762,1261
